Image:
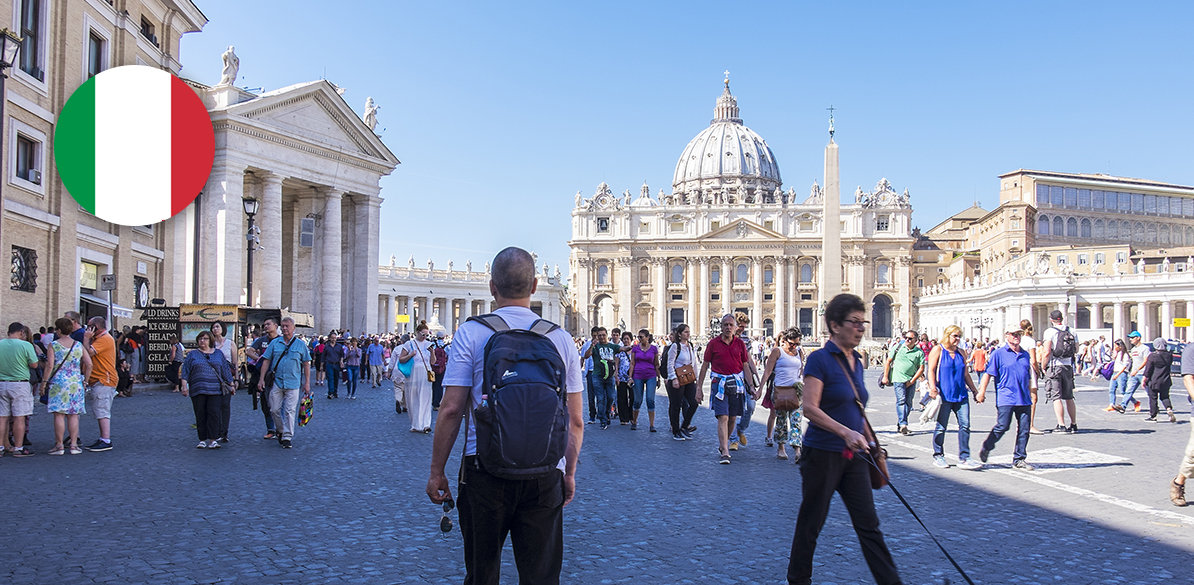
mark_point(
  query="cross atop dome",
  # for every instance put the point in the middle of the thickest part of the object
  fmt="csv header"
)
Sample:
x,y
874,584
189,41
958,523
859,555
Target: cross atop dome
x,y
727,72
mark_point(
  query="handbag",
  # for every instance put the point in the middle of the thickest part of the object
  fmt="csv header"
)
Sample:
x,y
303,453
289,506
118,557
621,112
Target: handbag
x,y
787,398
685,375
430,372
269,375
878,455
1107,369
226,388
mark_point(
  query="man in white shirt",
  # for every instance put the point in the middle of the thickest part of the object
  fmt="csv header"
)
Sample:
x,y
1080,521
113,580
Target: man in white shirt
x,y
490,507
1139,354
1059,373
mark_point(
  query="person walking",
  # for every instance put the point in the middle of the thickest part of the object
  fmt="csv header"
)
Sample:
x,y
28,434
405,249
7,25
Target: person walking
x,y
602,375
644,366
17,356
1118,382
317,346
948,378
290,359
1185,470
352,368
1059,349
681,398
67,368
439,362
1139,355
227,348
625,382
418,387
398,378
1157,379
203,373
1028,342
254,352
375,355
726,355
333,363
1011,368
837,445
904,366
786,362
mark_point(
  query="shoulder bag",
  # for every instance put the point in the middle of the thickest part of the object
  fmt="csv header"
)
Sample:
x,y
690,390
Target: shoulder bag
x,y
878,455
422,358
273,365
226,388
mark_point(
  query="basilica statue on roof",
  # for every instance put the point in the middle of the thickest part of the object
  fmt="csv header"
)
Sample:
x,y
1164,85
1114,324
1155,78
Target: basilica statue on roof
x,y
728,238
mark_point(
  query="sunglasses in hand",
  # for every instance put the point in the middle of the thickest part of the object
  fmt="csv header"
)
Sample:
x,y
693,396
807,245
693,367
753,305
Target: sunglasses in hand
x,y
445,523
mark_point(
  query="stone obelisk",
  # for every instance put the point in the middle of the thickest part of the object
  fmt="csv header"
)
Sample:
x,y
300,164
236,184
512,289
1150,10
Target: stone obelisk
x,y
831,230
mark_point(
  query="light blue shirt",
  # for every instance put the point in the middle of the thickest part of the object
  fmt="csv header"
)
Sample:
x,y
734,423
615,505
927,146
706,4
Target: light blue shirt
x,y
288,369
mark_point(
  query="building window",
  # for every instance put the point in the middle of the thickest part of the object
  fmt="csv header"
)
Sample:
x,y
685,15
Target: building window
x,y
1163,205
1163,235
714,225
24,269
1042,225
1062,259
1084,198
147,31
768,275
1055,196
715,297
1099,230
1096,198
1071,197
1082,259
1058,226
1121,257
31,58
644,275
882,223
1086,228
806,273
1150,204
768,297
1138,202
28,159
806,225
1071,228
603,274
677,274
644,227
1015,244
741,273
96,53
603,225
1042,195
677,227
715,276
306,232
1100,258
1125,201
883,274
920,283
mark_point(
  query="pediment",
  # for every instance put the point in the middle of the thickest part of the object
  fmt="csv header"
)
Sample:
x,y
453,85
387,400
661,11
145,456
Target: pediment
x,y
742,230
315,113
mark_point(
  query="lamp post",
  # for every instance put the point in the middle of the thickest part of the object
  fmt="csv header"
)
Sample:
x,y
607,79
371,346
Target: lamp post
x,y
981,323
10,43
251,235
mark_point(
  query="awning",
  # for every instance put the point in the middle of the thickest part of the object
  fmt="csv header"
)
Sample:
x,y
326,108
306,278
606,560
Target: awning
x,y
117,310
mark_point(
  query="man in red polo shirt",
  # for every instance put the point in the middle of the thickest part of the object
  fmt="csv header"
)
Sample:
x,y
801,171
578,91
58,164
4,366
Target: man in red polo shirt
x,y
728,357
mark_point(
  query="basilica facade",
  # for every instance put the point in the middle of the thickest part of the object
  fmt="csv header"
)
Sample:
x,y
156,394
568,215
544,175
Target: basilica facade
x,y
728,238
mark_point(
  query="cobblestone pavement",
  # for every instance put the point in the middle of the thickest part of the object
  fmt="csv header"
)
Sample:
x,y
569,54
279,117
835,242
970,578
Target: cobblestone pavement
x,y
346,505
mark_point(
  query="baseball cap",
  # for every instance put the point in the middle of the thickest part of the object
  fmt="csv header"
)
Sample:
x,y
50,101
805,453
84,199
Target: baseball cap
x,y
1014,329
1134,334
1055,315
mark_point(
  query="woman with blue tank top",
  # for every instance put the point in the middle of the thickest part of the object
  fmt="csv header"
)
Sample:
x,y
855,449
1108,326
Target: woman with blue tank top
x,y
949,379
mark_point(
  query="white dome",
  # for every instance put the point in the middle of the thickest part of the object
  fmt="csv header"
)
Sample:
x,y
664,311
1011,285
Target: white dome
x,y
726,151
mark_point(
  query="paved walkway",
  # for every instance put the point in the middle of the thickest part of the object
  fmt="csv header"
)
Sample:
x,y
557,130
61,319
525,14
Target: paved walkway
x,y
346,505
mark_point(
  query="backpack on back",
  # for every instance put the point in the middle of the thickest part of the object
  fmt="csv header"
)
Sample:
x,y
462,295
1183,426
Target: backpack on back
x,y
663,360
1067,344
522,423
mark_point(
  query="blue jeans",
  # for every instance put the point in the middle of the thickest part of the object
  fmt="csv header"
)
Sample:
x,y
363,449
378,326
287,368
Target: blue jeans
x,y
351,385
748,408
592,398
1003,422
1133,383
1119,384
604,393
962,411
333,371
904,393
645,387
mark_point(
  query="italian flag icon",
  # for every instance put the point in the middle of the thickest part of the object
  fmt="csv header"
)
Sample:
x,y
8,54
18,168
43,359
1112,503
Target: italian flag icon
x,y
134,145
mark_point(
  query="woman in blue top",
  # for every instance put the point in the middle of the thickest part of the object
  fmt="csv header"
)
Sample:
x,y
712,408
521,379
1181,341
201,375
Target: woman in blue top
x,y
949,379
833,389
203,370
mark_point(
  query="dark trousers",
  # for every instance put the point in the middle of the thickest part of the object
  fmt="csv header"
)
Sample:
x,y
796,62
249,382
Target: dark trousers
x,y
333,379
262,397
1153,395
1003,422
625,391
437,389
207,415
592,399
172,374
823,473
225,416
680,400
529,511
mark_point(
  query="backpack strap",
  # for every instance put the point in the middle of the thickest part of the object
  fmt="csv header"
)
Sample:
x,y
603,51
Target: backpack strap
x,y
492,321
543,327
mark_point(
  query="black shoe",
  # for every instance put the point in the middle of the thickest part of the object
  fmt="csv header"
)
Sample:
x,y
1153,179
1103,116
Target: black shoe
x,y
982,455
99,445
604,426
687,434
677,436
223,439
690,428
329,396
1058,429
286,443
1151,419
1073,429
653,430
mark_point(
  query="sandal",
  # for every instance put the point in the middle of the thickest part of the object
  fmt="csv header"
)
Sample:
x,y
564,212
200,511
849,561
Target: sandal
x,y
57,451
270,435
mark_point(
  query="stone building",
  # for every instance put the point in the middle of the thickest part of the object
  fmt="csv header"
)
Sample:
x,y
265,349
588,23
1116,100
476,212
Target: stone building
x,y
58,251
728,238
447,297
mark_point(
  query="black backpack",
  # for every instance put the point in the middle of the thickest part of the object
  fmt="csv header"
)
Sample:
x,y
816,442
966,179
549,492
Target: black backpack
x,y
1067,344
522,423
663,359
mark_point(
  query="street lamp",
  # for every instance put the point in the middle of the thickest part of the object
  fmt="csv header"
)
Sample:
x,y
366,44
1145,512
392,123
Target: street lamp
x,y
981,323
250,204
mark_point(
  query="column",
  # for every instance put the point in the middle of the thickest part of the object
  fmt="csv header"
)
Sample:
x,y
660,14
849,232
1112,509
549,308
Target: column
x,y
383,309
692,274
1117,321
582,296
726,290
268,259
1167,319
331,269
781,292
395,310
1142,319
660,279
1096,315
222,250
702,319
756,273
625,285
411,306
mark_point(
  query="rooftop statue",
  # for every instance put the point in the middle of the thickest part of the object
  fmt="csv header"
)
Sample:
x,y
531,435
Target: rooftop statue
x,y
231,67
370,117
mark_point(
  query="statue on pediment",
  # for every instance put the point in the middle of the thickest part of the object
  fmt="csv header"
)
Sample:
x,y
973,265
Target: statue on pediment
x,y
468,266
1165,264
859,194
231,67
815,196
410,263
1140,266
487,267
370,117
626,197
579,200
430,265
451,265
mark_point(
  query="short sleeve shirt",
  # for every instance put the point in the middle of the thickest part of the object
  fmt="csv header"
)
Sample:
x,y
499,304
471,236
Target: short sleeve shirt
x,y
1013,374
1052,335
905,362
466,360
837,395
15,357
103,363
287,369
1139,355
726,359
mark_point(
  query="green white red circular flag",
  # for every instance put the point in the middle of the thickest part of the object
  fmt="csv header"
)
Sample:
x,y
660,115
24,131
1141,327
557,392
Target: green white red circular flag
x,y
134,145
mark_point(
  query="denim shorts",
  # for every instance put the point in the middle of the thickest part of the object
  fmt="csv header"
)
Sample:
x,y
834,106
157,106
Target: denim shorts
x,y
731,406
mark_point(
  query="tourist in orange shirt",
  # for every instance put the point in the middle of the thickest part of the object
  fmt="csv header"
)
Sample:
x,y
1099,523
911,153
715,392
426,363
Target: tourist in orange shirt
x,y
978,358
101,384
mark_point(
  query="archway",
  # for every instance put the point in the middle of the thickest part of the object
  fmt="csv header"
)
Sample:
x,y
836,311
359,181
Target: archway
x,y
881,316
603,312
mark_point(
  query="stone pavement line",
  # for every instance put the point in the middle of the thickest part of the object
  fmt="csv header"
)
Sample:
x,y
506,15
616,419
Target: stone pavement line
x,y
1090,494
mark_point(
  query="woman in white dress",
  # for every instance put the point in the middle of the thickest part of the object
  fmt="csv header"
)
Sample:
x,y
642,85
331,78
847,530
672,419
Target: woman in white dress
x,y
418,387
1028,343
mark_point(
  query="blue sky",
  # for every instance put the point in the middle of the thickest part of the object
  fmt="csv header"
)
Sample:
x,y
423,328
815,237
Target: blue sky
x,y
501,112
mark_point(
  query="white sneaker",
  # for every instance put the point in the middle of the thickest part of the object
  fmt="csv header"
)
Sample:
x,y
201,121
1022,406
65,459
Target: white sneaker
x,y
970,464
201,445
939,461
213,444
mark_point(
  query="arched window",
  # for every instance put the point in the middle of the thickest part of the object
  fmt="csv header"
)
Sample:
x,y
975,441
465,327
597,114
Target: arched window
x,y
1085,228
741,273
644,275
1138,232
1071,228
677,274
881,316
768,275
1151,233
806,273
1058,226
1163,235
1042,225
1190,236
603,274
883,274
1100,231
1113,230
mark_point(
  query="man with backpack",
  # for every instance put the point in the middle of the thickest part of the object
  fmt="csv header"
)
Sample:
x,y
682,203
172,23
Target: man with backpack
x,y
1057,352
516,380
